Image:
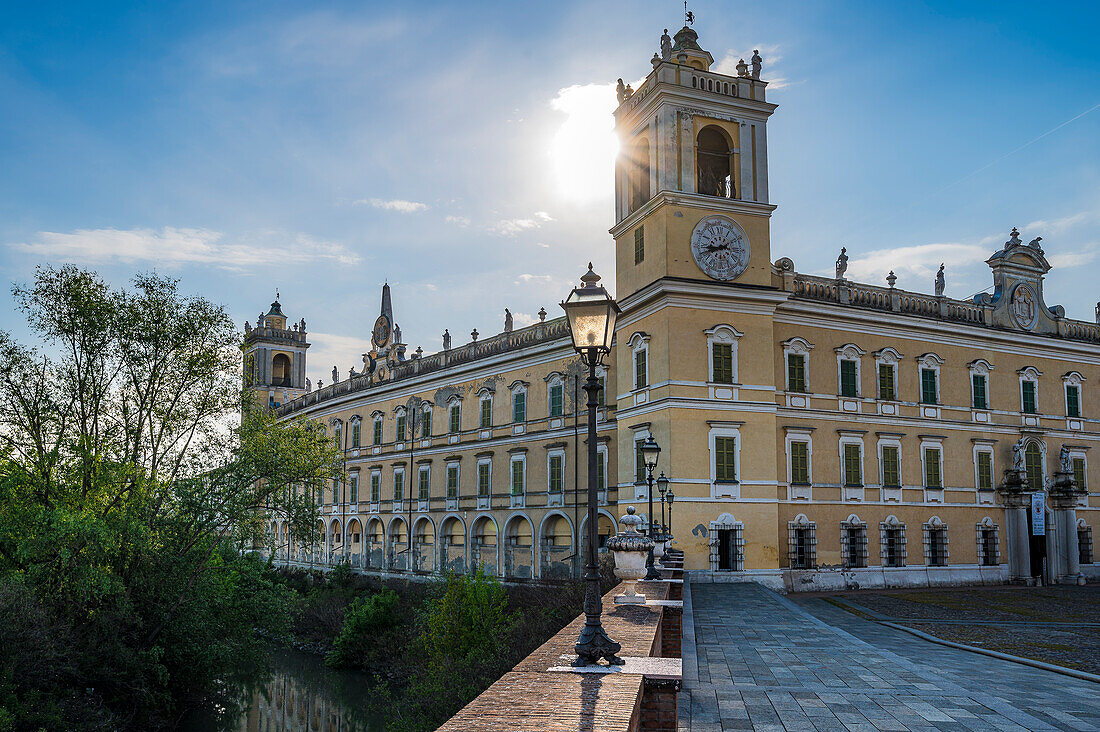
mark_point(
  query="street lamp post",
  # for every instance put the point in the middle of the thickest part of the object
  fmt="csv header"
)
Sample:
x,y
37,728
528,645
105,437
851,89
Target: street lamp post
x,y
671,497
662,487
591,315
651,451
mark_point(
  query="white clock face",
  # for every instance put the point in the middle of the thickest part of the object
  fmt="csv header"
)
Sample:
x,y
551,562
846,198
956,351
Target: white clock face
x,y
720,247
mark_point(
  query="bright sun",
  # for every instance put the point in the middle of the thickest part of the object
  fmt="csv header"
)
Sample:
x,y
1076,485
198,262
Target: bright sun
x,y
583,150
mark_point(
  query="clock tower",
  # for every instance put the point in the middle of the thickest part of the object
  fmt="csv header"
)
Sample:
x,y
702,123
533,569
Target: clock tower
x,y
694,345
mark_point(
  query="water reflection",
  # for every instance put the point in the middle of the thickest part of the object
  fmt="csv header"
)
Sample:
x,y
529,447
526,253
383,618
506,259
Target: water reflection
x,y
301,694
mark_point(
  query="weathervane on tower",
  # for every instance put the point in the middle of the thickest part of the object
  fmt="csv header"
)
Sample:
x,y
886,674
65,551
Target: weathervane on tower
x,y
689,17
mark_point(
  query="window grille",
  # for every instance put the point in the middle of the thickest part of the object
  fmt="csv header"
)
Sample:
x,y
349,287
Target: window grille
x,y
722,362
891,466
849,386
1084,545
852,474
892,544
935,545
978,392
1027,394
796,372
802,545
928,386
725,459
727,547
800,463
989,551
1073,400
853,545
886,389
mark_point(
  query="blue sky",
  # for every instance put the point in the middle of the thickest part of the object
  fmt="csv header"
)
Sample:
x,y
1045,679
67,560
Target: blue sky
x,y
462,150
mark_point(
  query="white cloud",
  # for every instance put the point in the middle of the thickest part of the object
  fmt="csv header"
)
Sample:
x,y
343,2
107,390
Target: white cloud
x,y
171,245
511,227
543,216
920,261
529,278
1073,259
770,72
524,319
458,220
1049,227
395,204
328,349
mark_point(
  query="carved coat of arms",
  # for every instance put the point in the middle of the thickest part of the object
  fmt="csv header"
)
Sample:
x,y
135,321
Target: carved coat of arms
x,y
1023,306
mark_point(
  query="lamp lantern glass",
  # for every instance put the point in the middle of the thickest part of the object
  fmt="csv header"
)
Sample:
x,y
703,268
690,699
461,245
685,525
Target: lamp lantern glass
x,y
670,496
650,452
662,484
591,315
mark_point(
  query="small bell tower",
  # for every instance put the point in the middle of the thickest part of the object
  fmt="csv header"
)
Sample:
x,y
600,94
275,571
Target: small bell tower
x,y
275,357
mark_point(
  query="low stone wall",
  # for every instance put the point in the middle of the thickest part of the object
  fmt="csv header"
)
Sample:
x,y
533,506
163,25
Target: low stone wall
x,y
866,578
532,698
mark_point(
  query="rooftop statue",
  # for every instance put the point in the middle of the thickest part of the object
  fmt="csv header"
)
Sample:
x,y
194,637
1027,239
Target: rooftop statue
x,y
1034,244
941,282
335,374
666,46
507,320
1014,240
446,339
742,68
309,385
842,263
620,91
757,64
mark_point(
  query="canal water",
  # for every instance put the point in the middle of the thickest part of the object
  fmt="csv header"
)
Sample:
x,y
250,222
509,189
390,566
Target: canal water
x,y
298,693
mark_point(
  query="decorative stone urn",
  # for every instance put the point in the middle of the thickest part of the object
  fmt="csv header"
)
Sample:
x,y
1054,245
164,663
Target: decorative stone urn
x,y
660,545
630,549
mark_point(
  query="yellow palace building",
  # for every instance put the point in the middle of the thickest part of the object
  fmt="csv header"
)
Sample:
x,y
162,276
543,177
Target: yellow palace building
x,y
817,432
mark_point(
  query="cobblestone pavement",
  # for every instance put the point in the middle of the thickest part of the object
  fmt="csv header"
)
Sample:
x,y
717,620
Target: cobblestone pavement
x,y
764,662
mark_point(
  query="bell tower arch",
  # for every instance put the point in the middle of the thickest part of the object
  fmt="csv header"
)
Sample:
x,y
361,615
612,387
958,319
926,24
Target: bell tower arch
x,y
274,366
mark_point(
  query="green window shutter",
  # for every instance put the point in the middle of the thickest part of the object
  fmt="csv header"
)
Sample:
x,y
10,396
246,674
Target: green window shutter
x,y
722,362
486,412
425,484
399,432
1073,400
519,407
640,380
978,389
639,245
557,400
886,388
398,486
800,463
932,477
378,432
456,419
555,483
517,477
891,466
1033,464
927,386
600,395
601,473
852,474
796,372
426,426
725,459
985,471
355,434
375,487
1028,394
1079,473
639,463
452,481
849,386
483,479
353,488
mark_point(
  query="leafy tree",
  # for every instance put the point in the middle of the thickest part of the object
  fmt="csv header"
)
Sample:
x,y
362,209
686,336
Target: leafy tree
x,y
365,637
135,475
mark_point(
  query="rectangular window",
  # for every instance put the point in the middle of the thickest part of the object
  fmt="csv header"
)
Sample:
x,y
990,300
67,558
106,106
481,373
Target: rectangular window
x,y
849,384
517,477
1084,544
800,463
484,470
639,461
988,551
557,400
456,419
854,545
1027,394
722,362
985,471
486,413
399,432
426,424
891,466
338,436
887,389
853,476
928,386
796,372
452,481
398,486
519,406
640,369
425,483
936,548
353,487
1073,400
335,490
378,432
932,477
1079,473
639,245
556,478
802,549
893,545
375,487
601,471
600,395
355,433
725,459
978,397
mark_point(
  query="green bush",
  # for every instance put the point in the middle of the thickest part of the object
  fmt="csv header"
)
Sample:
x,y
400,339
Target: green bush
x,y
362,638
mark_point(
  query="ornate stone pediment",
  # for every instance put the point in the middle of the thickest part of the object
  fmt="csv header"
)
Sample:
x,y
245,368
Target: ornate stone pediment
x,y
1017,298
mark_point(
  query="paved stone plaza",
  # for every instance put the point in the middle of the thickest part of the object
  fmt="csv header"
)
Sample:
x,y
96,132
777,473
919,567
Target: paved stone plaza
x,y
760,661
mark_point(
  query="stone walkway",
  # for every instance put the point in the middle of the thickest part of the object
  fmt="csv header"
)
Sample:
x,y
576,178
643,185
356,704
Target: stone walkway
x,y
761,661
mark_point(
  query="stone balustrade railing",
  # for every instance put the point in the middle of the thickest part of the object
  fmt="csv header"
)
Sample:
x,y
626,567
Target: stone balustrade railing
x,y
279,334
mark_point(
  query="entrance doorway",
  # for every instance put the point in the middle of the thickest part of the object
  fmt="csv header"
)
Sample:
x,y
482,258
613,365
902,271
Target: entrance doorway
x,y
1037,546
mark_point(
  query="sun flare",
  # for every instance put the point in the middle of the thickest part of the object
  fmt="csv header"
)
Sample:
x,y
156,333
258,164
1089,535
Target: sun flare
x,y
583,149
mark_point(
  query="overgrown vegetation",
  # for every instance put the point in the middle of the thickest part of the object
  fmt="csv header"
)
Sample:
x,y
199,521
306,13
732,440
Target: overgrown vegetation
x,y
134,477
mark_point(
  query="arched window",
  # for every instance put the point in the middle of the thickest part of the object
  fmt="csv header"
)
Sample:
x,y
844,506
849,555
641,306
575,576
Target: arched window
x,y
1033,462
280,370
638,169
714,163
